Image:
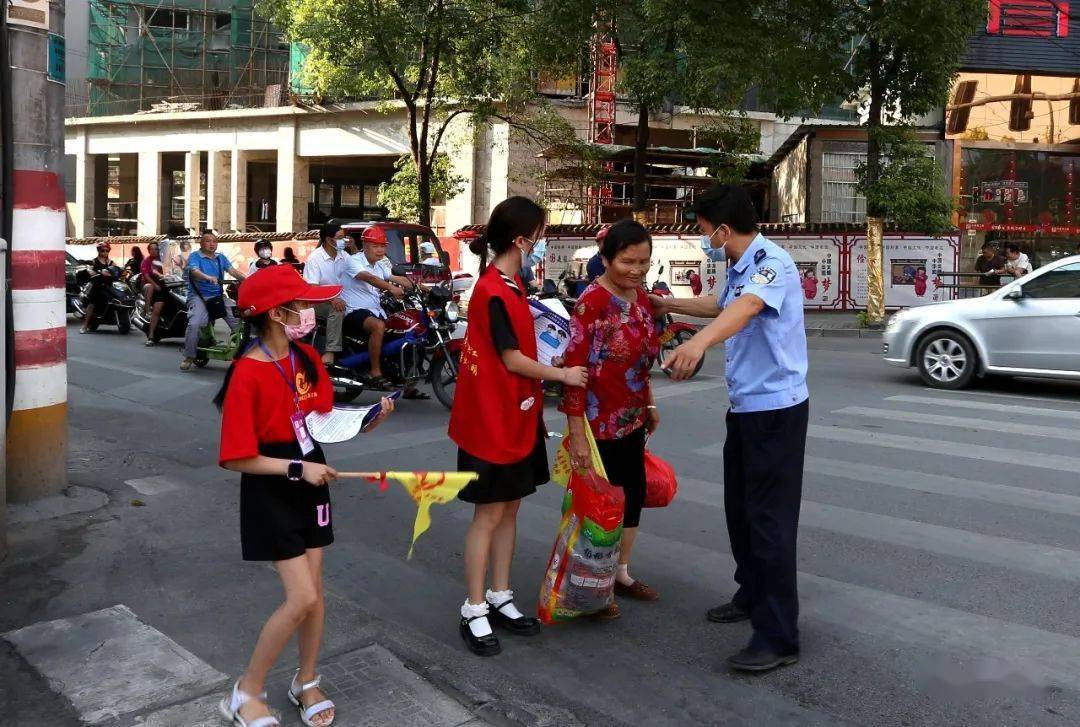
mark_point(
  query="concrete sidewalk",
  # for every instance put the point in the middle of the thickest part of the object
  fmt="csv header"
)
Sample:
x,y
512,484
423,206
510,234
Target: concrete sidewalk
x,y
125,603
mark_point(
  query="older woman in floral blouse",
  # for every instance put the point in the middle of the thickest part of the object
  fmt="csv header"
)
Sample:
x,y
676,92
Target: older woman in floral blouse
x,y
612,332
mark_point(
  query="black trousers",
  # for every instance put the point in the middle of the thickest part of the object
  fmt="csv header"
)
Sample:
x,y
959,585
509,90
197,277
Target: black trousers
x,y
763,470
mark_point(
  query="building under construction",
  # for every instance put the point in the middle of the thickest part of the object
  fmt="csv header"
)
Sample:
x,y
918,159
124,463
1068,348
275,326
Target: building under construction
x,y
181,54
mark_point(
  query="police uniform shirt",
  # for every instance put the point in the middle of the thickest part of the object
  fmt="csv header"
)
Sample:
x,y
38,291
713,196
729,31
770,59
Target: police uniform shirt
x,y
766,360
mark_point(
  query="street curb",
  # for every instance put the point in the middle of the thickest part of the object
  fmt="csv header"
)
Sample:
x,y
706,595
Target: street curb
x,y
843,332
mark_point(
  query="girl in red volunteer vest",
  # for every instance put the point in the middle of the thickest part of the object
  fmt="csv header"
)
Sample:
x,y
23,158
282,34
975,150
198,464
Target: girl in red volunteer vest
x,y
272,385
497,419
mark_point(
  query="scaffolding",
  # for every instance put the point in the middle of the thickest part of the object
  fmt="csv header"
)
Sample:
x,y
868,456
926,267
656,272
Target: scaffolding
x,y
182,54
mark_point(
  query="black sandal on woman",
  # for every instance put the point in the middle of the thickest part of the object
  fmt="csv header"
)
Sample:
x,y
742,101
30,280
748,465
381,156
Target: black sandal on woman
x,y
522,626
480,645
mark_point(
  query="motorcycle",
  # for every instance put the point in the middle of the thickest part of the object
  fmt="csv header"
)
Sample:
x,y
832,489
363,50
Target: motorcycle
x,y
671,333
173,320
118,301
418,346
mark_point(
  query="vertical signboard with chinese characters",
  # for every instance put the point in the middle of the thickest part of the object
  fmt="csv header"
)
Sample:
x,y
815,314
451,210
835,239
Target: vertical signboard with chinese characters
x,y
913,267
818,261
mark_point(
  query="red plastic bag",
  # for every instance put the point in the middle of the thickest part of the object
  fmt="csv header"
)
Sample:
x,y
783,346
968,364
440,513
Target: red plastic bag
x,y
580,576
660,482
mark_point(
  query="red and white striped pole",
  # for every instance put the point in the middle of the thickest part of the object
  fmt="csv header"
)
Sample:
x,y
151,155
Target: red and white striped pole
x,y
37,432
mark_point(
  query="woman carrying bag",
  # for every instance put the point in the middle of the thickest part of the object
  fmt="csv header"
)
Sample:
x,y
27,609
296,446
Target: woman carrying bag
x,y
612,333
497,419
273,384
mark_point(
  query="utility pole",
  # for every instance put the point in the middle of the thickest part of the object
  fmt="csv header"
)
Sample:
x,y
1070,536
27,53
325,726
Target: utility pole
x,y
36,462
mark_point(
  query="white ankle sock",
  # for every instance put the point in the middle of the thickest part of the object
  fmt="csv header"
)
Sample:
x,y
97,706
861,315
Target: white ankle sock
x,y
497,598
623,576
480,627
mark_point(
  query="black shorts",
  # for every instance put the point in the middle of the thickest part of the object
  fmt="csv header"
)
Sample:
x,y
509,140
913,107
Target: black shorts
x,y
624,462
280,519
354,321
159,295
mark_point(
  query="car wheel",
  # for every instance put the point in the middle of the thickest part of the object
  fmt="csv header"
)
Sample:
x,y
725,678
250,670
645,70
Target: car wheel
x,y
946,360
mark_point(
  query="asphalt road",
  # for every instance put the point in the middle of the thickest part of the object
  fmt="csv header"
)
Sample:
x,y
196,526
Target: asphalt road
x,y
939,551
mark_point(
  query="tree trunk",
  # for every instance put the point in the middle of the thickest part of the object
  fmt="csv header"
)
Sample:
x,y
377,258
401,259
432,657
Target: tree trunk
x,y
640,159
423,183
875,269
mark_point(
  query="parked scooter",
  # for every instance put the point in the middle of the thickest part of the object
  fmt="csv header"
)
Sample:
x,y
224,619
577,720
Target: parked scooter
x,y
118,301
672,333
418,346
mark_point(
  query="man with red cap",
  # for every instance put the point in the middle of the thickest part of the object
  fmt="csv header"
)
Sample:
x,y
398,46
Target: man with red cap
x,y
367,275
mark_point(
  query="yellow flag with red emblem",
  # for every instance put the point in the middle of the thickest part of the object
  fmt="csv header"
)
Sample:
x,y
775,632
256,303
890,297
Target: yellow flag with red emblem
x,y
426,489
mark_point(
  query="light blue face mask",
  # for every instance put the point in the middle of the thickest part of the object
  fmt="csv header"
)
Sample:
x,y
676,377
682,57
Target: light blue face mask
x,y
714,254
536,257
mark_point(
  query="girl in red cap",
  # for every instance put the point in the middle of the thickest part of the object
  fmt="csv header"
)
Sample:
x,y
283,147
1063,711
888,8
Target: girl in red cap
x,y
496,420
285,516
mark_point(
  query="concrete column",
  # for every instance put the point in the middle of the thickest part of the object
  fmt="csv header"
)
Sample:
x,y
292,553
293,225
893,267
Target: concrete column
x,y
468,161
192,172
149,215
218,178
82,216
293,178
238,195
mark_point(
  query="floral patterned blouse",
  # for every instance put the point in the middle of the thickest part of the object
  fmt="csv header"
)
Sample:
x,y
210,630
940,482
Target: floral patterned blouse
x,y
617,341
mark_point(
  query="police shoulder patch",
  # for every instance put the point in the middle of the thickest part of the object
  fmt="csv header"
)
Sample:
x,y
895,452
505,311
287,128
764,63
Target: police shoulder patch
x,y
763,276
759,256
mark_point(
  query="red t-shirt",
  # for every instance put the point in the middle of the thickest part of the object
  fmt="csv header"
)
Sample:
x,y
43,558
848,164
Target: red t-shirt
x,y
259,404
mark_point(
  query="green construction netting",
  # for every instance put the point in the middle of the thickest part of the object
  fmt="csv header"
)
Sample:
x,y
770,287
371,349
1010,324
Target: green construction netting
x,y
216,54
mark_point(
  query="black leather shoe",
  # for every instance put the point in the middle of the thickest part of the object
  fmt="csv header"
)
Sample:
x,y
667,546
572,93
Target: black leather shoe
x,y
479,645
758,660
729,613
523,626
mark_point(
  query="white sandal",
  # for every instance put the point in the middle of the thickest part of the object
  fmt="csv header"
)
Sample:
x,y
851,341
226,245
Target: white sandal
x,y
230,709
306,713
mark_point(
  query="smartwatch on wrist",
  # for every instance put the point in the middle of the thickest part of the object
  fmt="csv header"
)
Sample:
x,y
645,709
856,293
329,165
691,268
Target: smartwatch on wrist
x,y
296,471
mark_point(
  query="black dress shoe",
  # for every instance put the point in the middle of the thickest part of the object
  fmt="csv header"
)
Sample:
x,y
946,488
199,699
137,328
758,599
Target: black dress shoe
x,y
729,613
523,626
758,660
479,645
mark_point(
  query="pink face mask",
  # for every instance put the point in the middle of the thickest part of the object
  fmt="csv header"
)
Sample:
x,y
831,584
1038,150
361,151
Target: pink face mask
x,y
304,327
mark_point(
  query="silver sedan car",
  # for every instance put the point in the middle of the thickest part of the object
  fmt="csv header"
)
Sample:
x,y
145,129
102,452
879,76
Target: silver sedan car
x,y
1029,327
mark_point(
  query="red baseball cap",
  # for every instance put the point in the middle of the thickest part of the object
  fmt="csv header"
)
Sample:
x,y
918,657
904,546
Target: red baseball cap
x,y
276,285
375,235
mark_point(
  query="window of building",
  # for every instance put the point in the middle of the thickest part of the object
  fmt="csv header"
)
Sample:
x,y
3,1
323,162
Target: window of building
x,y
350,195
1020,113
1061,283
222,21
326,198
840,202
1029,18
158,18
958,118
371,196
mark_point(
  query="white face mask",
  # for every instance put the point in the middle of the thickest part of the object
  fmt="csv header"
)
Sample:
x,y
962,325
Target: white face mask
x,y
265,253
340,244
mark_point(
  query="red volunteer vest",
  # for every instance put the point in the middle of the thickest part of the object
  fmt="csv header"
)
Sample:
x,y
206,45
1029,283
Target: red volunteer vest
x,y
495,413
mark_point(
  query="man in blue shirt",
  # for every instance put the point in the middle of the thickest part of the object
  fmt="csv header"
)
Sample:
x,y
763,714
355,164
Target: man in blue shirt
x,y
760,317
206,297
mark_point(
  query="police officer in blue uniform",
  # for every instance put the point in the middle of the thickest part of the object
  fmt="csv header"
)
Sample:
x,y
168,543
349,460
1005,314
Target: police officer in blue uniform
x,y
760,317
